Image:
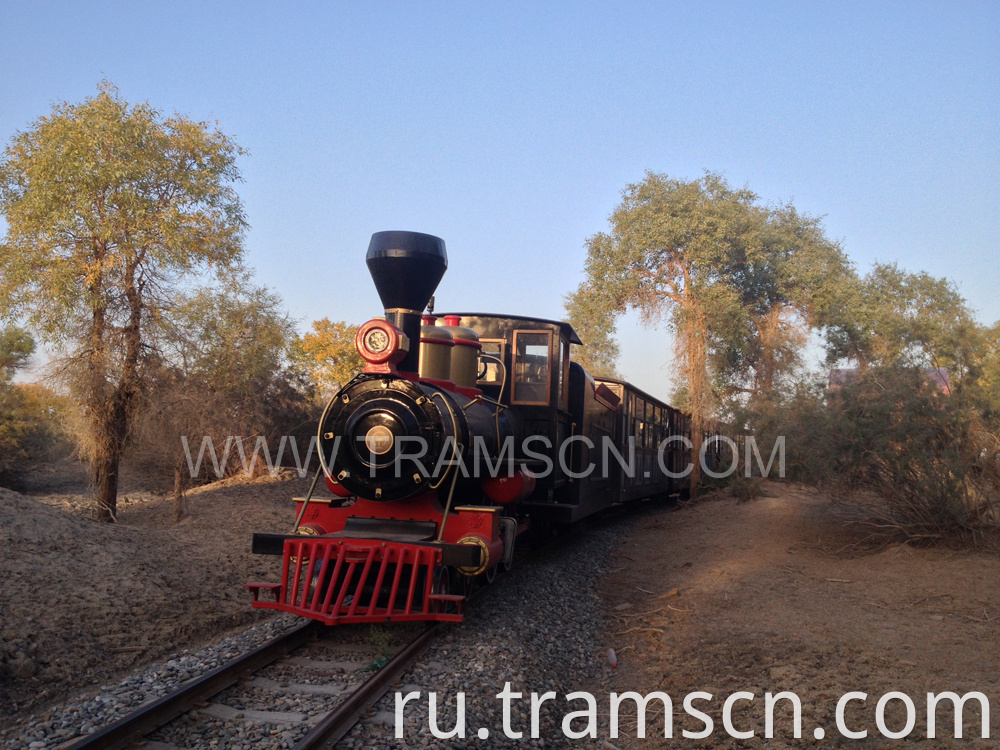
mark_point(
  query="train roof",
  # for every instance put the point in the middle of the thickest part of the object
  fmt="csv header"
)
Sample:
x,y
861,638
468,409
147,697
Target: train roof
x,y
566,328
638,391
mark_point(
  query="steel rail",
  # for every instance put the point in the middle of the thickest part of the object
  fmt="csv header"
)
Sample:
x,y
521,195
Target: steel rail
x,y
149,718
335,725
339,722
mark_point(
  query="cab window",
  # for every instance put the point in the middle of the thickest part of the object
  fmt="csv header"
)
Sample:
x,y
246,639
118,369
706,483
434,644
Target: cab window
x,y
490,373
531,367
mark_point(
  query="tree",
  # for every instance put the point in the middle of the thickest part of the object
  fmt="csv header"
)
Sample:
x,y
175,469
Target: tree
x,y
27,412
329,354
110,206
16,347
897,317
222,374
789,277
988,382
734,279
593,318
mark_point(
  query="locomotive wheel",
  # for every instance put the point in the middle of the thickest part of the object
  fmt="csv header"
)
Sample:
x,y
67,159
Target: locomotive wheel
x,y
491,574
445,583
507,561
442,581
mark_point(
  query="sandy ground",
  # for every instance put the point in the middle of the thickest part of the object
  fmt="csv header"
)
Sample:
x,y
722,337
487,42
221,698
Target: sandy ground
x,y
83,603
778,594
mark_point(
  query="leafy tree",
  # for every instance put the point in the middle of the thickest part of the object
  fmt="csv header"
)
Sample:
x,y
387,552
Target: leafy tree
x,y
16,347
978,373
110,206
732,278
988,383
897,317
28,413
593,318
789,278
329,354
222,374
232,338
27,430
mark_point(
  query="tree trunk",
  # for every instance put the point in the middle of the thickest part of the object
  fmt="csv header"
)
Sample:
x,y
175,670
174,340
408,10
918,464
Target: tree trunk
x,y
698,391
105,469
113,412
178,493
110,435
697,428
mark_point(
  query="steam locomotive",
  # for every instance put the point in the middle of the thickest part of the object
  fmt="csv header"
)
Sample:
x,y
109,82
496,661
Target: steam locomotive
x,y
465,433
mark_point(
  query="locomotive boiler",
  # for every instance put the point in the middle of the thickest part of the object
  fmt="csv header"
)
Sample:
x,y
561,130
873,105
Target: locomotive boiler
x,y
463,433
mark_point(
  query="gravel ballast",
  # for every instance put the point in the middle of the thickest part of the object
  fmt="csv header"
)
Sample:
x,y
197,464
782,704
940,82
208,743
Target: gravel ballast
x,y
542,630
88,713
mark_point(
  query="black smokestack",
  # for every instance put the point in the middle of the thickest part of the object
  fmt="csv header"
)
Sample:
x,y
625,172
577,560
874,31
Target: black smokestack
x,y
406,268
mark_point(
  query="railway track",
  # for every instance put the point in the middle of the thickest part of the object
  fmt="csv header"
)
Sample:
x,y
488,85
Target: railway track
x,y
324,729
196,695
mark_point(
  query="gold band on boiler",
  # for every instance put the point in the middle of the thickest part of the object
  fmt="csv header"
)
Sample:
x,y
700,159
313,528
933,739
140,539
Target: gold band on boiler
x,y
403,310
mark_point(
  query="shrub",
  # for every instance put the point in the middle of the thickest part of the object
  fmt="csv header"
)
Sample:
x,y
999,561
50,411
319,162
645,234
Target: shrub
x,y
929,454
29,427
932,456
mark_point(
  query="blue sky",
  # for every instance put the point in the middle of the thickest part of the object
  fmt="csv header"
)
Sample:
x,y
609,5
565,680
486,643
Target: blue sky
x,y
510,129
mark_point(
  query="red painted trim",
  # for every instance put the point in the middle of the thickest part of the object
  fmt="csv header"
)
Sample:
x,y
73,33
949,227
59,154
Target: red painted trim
x,y
335,601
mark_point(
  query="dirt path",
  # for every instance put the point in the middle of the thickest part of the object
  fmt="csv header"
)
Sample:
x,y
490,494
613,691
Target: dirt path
x,y
773,596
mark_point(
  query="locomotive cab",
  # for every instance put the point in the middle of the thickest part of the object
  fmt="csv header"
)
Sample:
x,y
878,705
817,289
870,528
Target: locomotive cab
x,y
525,365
